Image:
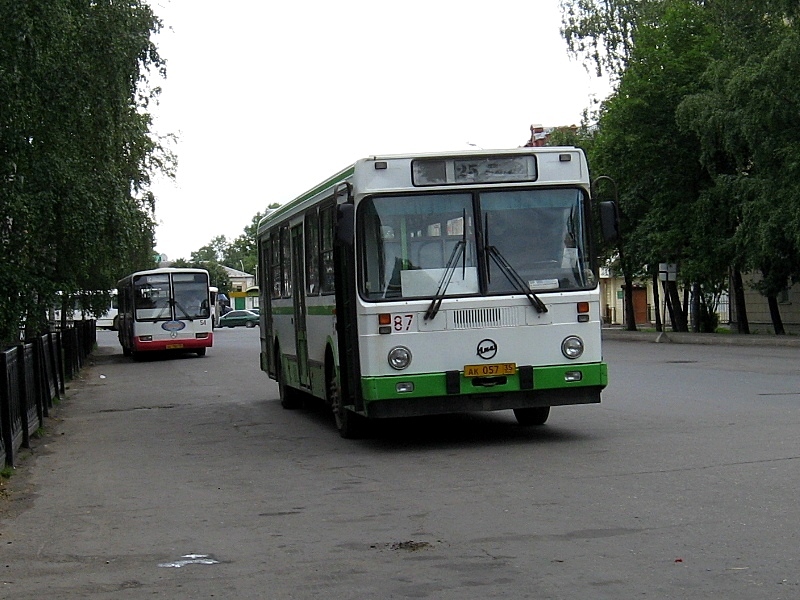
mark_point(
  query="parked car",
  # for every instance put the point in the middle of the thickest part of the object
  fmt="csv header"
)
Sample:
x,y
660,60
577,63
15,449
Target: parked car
x,y
238,318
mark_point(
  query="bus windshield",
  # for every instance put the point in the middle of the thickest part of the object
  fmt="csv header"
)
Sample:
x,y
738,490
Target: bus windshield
x,y
408,241
191,296
534,236
153,300
151,297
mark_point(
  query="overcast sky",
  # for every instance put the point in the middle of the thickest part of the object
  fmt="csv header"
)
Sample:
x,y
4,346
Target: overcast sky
x,y
269,98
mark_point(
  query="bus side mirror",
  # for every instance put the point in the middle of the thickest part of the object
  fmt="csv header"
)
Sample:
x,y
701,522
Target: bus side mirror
x,y
345,224
609,221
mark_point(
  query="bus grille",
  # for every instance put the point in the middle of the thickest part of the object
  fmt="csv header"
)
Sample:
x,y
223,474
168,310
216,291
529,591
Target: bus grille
x,y
478,318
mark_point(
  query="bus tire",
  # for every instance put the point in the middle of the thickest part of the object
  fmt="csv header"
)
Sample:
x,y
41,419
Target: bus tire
x,y
350,424
126,351
528,417
290,397
201,351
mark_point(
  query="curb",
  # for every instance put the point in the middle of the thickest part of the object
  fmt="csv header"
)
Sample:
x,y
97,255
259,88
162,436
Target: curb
x,y
723,339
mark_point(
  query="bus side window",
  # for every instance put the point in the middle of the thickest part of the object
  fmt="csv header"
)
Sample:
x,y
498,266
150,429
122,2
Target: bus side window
x,y
312,252
327,224
286,262
275,265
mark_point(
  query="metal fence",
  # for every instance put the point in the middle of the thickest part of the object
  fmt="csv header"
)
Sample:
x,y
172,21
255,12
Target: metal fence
x,y
32,377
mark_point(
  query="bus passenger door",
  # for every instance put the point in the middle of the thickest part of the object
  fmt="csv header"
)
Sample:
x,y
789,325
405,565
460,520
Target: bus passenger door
x,y
299,301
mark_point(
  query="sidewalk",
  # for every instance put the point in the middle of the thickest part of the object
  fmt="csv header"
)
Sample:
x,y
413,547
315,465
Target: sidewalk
x,y
726,339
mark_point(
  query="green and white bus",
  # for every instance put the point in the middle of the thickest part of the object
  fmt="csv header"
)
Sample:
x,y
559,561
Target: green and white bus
x,y
436,283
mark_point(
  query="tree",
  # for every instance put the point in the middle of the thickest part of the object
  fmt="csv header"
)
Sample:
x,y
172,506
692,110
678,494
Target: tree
x,y
217,274
653,161
747,119
604,31
76,150
242,253
214,251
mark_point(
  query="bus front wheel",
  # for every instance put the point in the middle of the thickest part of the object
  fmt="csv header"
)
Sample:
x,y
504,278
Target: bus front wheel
x,y
351,425
532,416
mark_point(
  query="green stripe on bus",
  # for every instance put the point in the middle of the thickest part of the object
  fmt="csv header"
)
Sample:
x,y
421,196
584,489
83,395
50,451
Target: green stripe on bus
x,y
433,384
326,310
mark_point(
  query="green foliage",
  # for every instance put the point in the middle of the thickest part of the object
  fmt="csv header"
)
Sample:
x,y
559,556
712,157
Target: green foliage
x,y
211,252
640,145
701,133
76,151
218,276
748,118
582,137
242,253
603,32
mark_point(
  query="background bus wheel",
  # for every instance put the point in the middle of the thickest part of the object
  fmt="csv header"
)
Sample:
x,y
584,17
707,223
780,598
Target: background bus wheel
x,y
201,352
350,424
532,416
290,398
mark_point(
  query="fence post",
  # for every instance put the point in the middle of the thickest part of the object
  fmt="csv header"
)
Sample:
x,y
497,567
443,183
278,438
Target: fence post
x,y
6,456
30,399
10,405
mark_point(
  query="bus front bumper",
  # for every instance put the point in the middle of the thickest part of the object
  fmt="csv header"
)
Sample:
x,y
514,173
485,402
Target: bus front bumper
x,y
160,345
444,393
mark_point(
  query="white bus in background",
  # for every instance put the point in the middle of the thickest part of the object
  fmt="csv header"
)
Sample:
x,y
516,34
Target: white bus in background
x,y
165,309
214,294
440,283
106,320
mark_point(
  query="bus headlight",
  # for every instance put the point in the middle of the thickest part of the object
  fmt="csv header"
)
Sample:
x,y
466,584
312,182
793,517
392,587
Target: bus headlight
x,y
399,357
572,346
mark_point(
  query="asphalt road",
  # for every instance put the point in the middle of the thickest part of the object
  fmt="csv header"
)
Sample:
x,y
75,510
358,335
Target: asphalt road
x,y
184,478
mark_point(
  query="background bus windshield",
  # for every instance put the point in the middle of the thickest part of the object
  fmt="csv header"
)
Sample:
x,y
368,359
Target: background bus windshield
x,y
153,297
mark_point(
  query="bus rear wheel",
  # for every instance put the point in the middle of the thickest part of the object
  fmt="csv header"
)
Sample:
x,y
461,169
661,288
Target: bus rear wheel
x,y
290,397
532,416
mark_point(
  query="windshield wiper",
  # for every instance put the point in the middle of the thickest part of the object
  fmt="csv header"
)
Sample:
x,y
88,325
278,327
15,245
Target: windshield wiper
x,y
185,312
459,251
449,269
507,270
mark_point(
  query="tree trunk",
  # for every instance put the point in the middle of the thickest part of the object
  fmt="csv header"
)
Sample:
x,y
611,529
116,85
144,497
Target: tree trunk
x,y
696,308
775,315
668,310
630,316
739,305
657,302
676,312
685,308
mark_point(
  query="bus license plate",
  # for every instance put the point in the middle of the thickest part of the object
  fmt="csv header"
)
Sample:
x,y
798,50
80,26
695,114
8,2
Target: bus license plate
x,y
174,346
489,370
